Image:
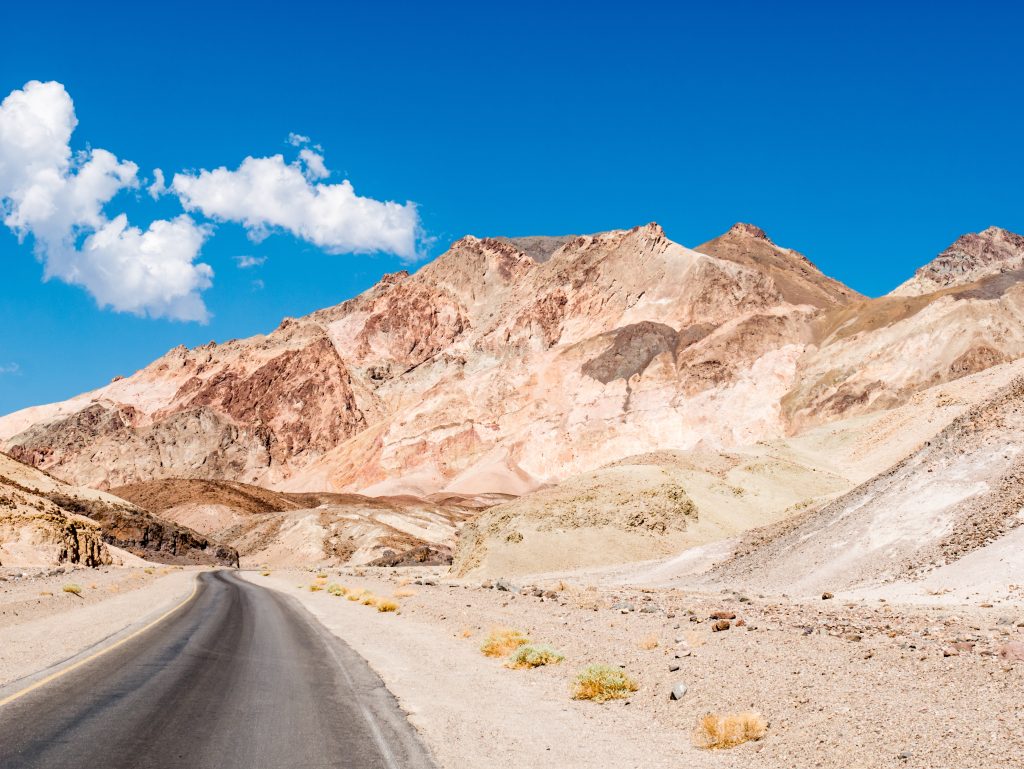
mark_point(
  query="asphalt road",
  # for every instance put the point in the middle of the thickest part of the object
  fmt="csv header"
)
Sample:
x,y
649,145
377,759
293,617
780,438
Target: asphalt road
x,y
239,678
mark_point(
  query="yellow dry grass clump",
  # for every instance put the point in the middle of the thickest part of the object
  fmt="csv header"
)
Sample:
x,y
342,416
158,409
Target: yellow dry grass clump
x,y
404,593
386,604
503,641
369,599
533,656
337,590
264,573
73,589
315,587
601,683
715,730
356,595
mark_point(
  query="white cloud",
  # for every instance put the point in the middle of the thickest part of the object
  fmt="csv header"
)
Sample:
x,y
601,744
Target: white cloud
x,y
10,368
59,199
267,193
313,164
297,140
158,187
258,285
245,262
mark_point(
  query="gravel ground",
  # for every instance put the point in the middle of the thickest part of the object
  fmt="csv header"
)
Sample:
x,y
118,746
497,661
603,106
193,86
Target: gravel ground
x,y
41,624
842,683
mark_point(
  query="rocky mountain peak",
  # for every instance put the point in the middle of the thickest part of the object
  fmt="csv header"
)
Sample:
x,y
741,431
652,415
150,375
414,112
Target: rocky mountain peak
x,y
796,277
742,229
969,258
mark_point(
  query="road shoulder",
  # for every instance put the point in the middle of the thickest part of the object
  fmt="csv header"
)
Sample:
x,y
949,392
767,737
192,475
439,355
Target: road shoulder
x,y
42,628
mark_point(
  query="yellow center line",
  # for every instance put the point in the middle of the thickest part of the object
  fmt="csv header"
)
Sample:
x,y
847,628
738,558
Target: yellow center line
x,y
64,671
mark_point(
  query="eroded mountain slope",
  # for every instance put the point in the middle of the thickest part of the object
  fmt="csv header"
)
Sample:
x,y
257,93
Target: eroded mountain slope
x,y
298,529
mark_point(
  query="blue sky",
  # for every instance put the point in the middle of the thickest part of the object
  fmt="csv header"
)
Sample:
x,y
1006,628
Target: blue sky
x,y
866,136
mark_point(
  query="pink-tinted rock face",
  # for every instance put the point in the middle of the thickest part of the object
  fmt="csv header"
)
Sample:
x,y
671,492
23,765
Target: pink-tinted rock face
x,y
506,364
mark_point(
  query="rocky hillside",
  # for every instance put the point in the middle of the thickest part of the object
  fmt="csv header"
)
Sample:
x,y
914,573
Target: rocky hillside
x,y
299,529
961,492
500,366
509,366
35,531
45,521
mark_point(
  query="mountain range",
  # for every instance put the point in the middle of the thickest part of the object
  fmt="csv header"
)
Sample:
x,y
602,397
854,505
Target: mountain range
x,y
581,401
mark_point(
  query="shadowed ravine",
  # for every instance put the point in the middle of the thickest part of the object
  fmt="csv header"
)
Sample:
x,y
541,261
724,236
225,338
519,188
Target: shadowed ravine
x,y
240,677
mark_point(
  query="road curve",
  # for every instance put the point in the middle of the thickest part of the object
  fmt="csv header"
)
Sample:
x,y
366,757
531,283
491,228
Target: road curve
x,y
240,677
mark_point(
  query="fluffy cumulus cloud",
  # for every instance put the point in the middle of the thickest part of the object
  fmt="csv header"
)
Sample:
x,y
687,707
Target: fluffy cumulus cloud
x,y
267,194
59,198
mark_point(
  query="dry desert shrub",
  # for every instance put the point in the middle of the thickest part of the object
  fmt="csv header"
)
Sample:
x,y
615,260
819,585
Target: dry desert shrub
x,y
503,641
649,642
533,656
321,575
466,633
315,587
264,573
356,595
337,590
73,589
404,593
369,599
716,731
601,683
386,604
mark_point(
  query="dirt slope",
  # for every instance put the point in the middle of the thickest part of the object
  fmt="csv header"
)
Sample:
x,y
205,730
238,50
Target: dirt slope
x,y
44,521
297,529
960,492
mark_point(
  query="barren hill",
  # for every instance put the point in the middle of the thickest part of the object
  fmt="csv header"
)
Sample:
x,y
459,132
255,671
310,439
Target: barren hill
x,y
44,521
499,367
289,529
708,391
960,492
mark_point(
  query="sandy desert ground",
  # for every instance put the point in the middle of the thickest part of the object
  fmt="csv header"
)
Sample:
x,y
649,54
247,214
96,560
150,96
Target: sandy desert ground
x,y
842,683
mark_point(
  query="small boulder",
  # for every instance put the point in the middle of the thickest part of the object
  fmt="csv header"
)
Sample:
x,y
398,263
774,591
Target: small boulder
x,y
722,624
678,691
826,596
723,615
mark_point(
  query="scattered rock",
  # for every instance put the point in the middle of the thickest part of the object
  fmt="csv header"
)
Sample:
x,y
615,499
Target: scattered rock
x,y
1014,651
722,624
723,615
673,668
826,596
678,691
505,586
